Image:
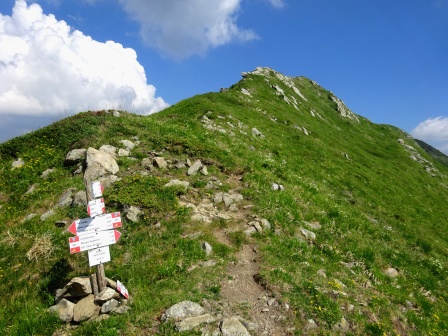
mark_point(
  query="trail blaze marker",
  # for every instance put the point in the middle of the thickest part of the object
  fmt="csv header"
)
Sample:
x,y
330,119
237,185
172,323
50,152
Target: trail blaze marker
x,y
99,256
99,223
97,189
96,207
122,289
93,240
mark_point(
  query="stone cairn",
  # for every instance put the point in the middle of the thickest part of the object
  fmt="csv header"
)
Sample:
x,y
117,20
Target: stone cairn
x,y
76,302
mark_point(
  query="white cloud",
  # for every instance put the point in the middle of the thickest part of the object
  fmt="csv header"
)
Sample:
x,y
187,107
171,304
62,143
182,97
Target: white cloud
x,y
277,3
433,131
189,27
48,69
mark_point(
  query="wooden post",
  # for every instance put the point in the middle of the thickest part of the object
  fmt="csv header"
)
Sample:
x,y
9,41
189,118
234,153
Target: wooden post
x,y
100,275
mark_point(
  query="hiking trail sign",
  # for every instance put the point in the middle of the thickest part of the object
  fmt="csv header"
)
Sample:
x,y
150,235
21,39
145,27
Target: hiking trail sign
x,y
93,240
98,223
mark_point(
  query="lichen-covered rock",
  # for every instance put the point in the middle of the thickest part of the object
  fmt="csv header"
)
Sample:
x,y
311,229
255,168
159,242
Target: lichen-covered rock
x,y
86,309
64,309
99,164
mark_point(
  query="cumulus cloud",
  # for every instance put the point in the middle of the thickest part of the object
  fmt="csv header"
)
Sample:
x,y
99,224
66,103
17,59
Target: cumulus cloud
x,y
190,27
47,69
433,131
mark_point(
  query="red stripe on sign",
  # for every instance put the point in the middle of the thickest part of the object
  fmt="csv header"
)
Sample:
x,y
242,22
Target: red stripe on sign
x,y
75,250
72,228
117,225
115,214
73,239
117,235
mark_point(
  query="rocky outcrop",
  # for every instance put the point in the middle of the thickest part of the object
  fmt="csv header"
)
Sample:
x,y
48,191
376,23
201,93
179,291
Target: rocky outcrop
x,y
99,164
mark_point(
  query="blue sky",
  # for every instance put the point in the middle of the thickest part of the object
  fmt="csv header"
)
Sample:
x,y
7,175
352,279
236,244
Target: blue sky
x,y
387,60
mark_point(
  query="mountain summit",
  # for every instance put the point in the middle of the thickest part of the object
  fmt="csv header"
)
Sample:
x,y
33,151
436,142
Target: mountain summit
x,y
268,208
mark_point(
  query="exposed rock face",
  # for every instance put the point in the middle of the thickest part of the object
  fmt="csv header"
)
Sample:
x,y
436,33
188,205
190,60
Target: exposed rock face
x,y
99,164
344,110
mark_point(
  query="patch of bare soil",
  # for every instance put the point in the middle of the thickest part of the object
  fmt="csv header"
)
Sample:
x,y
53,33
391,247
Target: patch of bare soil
x,y
244,295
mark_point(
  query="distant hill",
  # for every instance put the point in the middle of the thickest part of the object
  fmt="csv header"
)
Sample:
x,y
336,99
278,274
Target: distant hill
x,y
270,204
435,153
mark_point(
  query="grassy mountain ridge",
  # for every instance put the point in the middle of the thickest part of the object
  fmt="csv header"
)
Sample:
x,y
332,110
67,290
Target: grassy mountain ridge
x,y
353,183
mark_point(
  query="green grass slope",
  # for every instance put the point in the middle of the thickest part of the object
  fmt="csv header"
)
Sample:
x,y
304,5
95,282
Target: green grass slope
x,y
379,199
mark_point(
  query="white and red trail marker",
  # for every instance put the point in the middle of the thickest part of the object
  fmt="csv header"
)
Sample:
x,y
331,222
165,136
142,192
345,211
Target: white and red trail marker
x,y
96,207
93,240
122,289
99,223
97,189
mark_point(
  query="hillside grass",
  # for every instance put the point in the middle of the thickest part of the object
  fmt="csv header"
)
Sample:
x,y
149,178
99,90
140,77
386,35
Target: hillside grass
x,y
377,209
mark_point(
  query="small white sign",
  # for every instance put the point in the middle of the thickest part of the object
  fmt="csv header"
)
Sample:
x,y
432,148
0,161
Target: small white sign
x,y
96,207
99,256
97,189
122,289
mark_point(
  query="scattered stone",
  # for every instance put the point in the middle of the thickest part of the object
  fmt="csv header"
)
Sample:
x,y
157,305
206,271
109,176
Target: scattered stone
x,y
391,272
194,168
322,273
106,295
28,217
204,171
99,164
32,189
265,224
121,310
127,144
176,182
342,325
66,199
46,173
80,199
160,162
313,225
207,248
108,306
18,163
308,235
75,156
182,310
276,186
123,152
250,231
116,114
233,327
311,325
133,213
85,309
47,214
147,163
64,309
193,322
257,132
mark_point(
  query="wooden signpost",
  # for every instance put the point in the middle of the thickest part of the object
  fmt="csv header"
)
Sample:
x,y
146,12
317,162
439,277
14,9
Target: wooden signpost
x,y
96,233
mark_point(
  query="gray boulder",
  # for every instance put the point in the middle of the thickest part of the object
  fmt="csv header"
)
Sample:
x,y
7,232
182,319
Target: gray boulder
x,y
77,287
182,310
99,164
64,309
133,213
194,168
86,309
160,162
75,156
233,327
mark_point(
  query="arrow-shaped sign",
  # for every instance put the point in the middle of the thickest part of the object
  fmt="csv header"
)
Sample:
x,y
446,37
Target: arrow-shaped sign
x,y
99,223
89,241
96,207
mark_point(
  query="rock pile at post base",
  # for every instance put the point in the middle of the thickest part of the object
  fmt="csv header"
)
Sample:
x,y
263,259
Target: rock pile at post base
x,y
77,303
